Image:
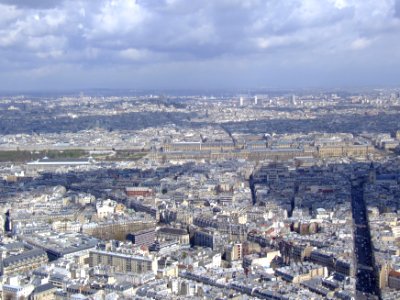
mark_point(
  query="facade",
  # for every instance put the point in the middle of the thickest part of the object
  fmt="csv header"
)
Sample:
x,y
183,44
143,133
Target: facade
x,y
44,292
115,230
52,164
394,280
105,208
66,226
126,263
344,267
174,233
347,150
183,146
323,259
143,237
301,272
139,206
138,191
207,238
14,290
256,260
234,252
199,147
28,260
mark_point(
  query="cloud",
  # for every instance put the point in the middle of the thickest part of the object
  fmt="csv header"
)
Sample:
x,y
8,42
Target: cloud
x,y
397,9
133,54
360,43
42,4
340,4
277,41
115,18
154,34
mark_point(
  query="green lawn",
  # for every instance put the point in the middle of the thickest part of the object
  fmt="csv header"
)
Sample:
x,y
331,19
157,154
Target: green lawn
x,y
127,155
25,156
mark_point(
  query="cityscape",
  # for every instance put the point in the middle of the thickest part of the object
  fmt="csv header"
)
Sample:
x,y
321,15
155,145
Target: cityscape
x,y
150,150
282,196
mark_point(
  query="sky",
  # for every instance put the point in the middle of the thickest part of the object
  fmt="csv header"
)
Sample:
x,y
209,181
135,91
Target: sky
x,y
198,44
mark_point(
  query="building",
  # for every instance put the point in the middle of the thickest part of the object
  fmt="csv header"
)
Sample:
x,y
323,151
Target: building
x,y
294,99
295,252
234,252
166,233
138,191
116,229
323,259
66,226
139,206
51,164
125,263
59,245
44,292
344,267
165,247
297,273
182,146
143,237
346,150
394,280
13,289
264,260
207,238
105,208
28,260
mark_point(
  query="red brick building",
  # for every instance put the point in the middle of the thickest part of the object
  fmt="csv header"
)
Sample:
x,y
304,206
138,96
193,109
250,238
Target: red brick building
x,y
138,191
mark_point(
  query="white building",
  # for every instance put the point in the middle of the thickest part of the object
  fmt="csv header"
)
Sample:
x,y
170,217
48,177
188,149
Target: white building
x,y
105,208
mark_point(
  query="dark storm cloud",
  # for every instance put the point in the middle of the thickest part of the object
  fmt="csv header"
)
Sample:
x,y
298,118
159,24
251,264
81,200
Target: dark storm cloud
x,y
145,41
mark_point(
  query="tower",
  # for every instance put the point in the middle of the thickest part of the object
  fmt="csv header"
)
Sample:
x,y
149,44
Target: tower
x,y
255,100
372,174
241,101
294,99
